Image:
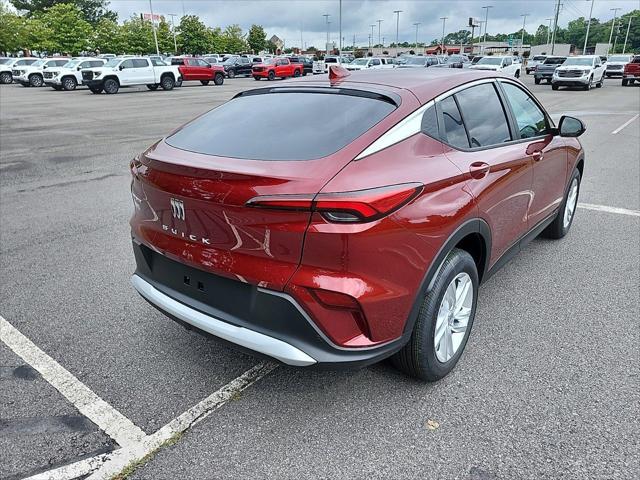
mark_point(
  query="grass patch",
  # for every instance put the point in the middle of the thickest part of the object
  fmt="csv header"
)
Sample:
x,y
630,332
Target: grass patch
x,y
133,466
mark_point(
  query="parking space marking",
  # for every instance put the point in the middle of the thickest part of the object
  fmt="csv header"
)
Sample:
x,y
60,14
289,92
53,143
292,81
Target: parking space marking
x,y
107,418
73,470
604,208
625,124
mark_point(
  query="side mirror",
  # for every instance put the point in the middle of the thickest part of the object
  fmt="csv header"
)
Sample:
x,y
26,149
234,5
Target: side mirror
x,y
121,67
571,127
208,65
44,67
79,68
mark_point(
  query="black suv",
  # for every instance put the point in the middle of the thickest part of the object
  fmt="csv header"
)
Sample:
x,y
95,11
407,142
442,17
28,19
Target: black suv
x,y
237,66
307,64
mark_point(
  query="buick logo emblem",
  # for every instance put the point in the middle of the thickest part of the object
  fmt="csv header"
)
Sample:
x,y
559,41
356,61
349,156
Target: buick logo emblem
x,y
177,209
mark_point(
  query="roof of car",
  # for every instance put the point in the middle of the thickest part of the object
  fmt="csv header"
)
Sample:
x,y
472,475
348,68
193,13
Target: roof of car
x,y
425,84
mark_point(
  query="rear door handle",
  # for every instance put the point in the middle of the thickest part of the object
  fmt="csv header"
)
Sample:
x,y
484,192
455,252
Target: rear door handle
x,y
479,170
537,156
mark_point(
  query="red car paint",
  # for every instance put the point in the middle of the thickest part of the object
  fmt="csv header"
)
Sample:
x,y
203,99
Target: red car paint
x,y
196,69
357,281
631,71
278,67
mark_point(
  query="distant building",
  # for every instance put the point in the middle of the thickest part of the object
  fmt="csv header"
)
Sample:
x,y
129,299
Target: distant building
x,y
560,49
447,49
500,48
277,41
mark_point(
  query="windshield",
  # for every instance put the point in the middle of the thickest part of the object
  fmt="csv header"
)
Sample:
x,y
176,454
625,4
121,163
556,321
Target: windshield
x,y
5,61
619,58
585,62
416,61
455,59
71,64
113,62
37,63
330,60
337,120
269,61
490,61
538,58
359,61
554,61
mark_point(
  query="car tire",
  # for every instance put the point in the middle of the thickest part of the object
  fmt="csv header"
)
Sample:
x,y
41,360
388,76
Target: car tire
x,y
566,213
6,77
167,82
587,87
218,79
271,75
231,73
96,90
517,75
36,80
600,84
424,356
204,82
536,81
69,83
152,86
625,82
296,73
554,87
111,86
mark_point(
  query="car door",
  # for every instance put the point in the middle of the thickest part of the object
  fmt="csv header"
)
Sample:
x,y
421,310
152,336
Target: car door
x,y
474,123
205,68
144,70
374,63
127,72
599,70
547,151
245,66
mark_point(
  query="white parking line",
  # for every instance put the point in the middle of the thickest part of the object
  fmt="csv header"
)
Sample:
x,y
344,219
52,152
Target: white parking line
x,y
107,418
604,208
628,122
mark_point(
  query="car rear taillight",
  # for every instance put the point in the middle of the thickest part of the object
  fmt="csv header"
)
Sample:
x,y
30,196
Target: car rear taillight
x,y
345,207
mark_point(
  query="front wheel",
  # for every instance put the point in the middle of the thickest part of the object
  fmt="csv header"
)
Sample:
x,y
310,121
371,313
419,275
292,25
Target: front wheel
x,y
600,84
625,82
111,86
271,75
69,83
36,80
218,79
587,87
554,86
167,82
537,81
444,321
231,73
562,223
517,74
204,82
6,77
296,73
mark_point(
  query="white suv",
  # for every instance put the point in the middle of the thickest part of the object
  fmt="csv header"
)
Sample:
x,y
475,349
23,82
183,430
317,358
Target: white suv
x,y
31,75
504,65
580,71
69,76
370,62
126,72
7,64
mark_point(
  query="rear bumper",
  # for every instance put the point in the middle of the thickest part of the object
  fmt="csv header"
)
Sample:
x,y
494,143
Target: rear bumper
x,y
631,76
260,320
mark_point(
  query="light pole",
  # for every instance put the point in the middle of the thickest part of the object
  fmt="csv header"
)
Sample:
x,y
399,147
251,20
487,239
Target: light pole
x,y
340,26
153,24
524,19
444,19
549,30
627,37
173,25
379,22
486,24
555,28
372,27
326,45
417,24
586,37
397,12
615,14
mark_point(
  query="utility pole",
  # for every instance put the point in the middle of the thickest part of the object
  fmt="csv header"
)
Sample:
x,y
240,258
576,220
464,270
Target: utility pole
x,y
173,25
326,45
586,37
486,22
627,37
379,22
397,12
417,24
549,31
153,24
555,27
444,19
372,27
340,26
301,39
615,14
524,19
354,43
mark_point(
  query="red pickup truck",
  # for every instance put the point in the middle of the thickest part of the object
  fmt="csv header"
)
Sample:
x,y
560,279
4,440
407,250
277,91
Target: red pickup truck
x,y
276,67
197,69
631,71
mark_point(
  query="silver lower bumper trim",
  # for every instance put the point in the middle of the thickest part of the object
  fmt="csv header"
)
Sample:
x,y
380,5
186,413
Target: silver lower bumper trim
x,y
241,336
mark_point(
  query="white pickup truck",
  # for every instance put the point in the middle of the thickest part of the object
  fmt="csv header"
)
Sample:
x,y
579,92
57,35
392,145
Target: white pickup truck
x,y
69,75
125,72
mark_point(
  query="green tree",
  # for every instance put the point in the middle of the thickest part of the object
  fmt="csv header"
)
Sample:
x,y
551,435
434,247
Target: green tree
x,y
271,47
215,40
194,37
234,41
9,33
165,37
257,38
70,32
109,37
92,10
36,35
138,36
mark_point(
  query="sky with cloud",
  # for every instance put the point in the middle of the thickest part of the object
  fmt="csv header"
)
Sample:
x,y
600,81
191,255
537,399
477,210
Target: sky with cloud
x,y
292,20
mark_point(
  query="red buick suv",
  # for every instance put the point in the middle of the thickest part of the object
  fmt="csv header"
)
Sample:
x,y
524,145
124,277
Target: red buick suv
x,y
356,223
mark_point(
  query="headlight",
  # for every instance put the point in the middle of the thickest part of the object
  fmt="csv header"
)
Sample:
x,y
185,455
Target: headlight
x,y
585,73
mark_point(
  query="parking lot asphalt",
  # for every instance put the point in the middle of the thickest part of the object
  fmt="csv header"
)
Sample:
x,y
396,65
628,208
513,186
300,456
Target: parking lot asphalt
x,y
547,387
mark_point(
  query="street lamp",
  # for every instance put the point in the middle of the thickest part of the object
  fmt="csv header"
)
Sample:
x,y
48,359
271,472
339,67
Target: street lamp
x,y
379,22
397,12
326,45
615,15
627,37
549,30
417,24
486,21
524,19
372,27
444,19
153,24
173,25
586,37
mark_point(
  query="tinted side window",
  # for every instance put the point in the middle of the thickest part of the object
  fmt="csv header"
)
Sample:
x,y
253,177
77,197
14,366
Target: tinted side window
x,y
530,119
375,61
483,116
192,62
85,64
430,122
454,132
140,63
127,64
96,63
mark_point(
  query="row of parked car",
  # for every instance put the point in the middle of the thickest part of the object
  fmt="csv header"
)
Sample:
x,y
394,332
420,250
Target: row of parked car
x,y
584,71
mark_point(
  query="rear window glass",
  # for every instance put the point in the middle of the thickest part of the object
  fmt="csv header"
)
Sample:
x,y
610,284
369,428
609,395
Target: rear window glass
x,y
308,126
